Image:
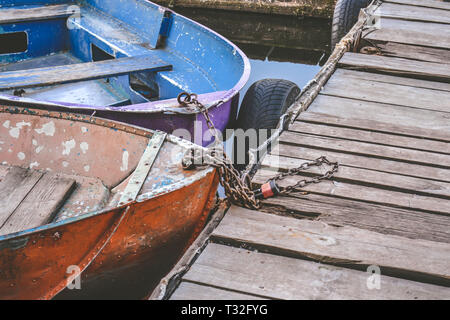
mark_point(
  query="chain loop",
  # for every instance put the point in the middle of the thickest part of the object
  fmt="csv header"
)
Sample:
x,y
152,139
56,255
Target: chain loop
x,y
237,188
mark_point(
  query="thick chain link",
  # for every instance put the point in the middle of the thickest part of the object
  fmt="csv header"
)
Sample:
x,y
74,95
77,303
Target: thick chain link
x,y
237,188
305,166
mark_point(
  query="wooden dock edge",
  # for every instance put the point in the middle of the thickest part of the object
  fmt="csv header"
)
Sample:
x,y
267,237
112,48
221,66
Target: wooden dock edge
x,y
308,8
170,282
313,87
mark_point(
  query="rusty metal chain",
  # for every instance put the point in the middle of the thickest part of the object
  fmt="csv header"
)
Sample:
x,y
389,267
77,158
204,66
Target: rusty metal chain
x,y
305,166
237,188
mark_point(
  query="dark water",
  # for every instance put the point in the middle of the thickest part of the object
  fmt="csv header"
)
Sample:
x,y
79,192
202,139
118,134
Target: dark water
x,y
281,47
278,47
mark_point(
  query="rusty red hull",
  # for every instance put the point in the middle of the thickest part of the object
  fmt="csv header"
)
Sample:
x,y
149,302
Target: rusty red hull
x,y
32,263
122,239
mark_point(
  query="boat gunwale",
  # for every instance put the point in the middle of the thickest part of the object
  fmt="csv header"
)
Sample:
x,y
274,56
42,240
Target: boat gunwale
x,y
226,96
116,125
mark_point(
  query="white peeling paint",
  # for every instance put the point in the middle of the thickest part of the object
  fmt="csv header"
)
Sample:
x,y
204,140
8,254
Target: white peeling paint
x,y
84,129
65,164
87,168
34,142
21,155
68,145
39,149
48,129
84,146
14,132
34,164
22,124
6,124
124,166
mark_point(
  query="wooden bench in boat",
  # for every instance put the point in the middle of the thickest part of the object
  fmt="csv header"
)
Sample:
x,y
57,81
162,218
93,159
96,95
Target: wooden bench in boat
x,y
37,13
30,198
48,76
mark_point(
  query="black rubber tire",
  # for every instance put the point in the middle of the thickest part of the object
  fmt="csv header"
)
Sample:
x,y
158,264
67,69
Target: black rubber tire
x,y
264,103
345,16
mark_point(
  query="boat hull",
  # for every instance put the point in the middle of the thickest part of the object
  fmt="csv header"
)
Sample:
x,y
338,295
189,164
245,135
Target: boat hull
x,y
147,237
196,59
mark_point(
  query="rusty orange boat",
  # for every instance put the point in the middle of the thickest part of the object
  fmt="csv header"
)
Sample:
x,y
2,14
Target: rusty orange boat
x,y
83,195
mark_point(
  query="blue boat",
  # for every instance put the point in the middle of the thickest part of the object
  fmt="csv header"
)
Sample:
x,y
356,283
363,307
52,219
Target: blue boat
x,y
125,60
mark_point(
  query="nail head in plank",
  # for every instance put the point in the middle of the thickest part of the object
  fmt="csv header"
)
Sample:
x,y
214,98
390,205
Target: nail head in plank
x,y
280,277
352,247
40,205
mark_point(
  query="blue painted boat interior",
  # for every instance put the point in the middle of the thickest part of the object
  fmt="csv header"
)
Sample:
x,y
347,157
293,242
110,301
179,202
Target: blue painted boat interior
x,y
83,31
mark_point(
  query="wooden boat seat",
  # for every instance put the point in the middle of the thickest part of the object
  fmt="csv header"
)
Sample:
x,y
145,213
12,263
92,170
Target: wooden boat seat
x,y
32,14
79,72
30,198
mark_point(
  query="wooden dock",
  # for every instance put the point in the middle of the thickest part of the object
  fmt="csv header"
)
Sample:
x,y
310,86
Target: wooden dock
x,y
385,117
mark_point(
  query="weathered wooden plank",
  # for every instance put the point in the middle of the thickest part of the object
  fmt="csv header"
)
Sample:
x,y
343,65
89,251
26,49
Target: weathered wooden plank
x,y
410,82
287,278
40,204
360,161
363,176
192,291
37,13
398,66
352,121
374,217
439,4
381,117
407,12
408,51
91,192
370,136
79,72
17,183
367,149
356,248
3,171
367,90
363,193
410,32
